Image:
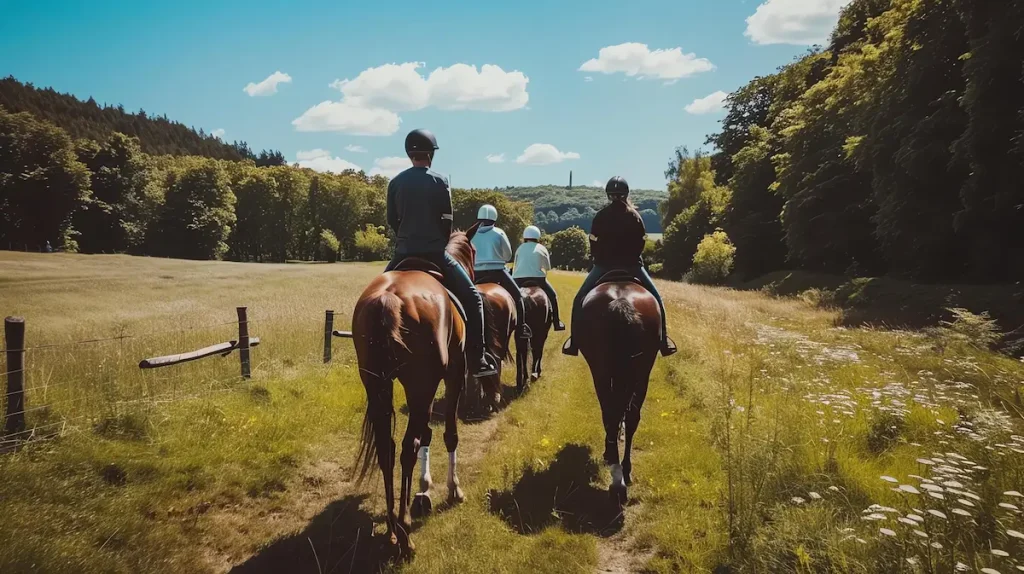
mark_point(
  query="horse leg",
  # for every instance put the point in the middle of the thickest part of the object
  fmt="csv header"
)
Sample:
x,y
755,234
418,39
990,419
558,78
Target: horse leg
x,y
612,412
632,422
453,384
522,360
538,355
385,445
421,504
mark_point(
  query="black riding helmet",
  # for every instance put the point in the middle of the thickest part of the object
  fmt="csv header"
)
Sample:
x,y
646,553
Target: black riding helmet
x,y
420,141
617,187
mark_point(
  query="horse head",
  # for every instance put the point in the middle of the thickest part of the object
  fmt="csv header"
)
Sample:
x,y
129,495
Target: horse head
x,y
460,247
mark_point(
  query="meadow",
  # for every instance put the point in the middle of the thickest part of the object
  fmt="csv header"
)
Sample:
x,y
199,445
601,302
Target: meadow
x,y
777,440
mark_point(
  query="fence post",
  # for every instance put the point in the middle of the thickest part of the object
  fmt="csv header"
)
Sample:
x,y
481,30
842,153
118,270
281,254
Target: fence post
x,y
243,341
14,342
328,330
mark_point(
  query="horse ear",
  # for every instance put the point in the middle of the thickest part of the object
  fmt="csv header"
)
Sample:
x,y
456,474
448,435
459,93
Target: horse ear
x,y
472,231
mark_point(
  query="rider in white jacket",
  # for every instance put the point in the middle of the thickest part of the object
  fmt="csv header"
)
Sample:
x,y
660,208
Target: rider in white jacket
x,y
532,263
493,251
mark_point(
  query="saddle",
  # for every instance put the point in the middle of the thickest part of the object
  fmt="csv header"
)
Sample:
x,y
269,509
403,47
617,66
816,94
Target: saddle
x,y
618,276
486,277
424,266
529,282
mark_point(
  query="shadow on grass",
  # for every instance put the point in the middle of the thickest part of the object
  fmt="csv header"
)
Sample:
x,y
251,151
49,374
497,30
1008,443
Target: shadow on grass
x,y
563,493
338,540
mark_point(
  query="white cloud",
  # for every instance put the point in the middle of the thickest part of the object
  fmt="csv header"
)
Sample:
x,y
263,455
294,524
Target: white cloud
x,y
401,87
267,87
390,166
709,104
496,158
321,160
544,154
218,133
370,101
597,183
800,22
344,117
588,78
355,148
635,59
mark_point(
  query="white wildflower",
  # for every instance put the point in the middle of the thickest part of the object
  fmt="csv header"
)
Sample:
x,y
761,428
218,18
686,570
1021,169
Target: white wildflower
x,y
910,489
889,479
937,513
887,532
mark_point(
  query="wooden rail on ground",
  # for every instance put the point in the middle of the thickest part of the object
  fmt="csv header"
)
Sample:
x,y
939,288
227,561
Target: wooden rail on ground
x,y
223,349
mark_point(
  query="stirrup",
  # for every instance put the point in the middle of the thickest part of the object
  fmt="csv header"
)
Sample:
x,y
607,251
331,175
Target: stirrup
x,y
668,347
489,370
524,331
569,348
559,326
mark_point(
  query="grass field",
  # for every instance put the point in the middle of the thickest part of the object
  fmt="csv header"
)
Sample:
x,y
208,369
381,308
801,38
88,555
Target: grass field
x,y
770,443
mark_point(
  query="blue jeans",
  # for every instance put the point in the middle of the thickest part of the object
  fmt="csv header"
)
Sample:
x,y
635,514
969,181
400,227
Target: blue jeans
x,y
457,280
638,271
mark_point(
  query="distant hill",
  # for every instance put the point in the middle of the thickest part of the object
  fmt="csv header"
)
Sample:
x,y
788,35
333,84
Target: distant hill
x,y
556,207
89,120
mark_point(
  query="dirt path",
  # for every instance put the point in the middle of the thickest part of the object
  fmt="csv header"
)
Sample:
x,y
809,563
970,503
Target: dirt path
x,y
322,488
616,555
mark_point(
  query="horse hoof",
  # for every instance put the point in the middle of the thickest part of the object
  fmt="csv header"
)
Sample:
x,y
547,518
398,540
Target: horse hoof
x,y
534,377
421,506
456,496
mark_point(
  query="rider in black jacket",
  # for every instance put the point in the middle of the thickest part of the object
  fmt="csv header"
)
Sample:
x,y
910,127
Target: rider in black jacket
x,y
617,238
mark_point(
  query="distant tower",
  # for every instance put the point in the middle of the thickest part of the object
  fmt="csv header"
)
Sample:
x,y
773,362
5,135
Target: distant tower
x,y
570,179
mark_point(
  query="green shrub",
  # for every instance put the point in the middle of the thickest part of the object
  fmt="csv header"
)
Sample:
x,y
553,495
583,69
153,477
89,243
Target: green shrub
x,y
570,248
713,260
371,244
656,269
329,246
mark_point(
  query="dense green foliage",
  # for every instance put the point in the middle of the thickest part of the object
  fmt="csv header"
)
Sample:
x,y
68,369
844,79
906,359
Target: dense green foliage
x,y
713,261
570,249
88,120
371,244
111,197
898,148
557,207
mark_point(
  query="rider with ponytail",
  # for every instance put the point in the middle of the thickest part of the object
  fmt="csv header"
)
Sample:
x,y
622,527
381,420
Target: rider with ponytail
x,y
617,238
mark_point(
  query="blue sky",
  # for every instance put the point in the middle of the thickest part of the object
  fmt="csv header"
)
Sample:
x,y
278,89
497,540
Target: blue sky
x,y
621,115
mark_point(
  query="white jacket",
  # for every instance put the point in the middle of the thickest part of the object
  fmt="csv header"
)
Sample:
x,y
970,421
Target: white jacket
x,y
493,250
532,260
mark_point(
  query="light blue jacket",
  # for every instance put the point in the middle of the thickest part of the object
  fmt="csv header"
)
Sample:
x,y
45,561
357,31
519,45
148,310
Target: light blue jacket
x,y
493,249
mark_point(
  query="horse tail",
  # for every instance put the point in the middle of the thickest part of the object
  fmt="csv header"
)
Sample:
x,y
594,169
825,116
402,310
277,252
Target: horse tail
x,y
384,338
625,329
496,343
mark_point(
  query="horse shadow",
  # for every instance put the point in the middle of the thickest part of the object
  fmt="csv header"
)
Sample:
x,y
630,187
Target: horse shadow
x,y
563,493
338,540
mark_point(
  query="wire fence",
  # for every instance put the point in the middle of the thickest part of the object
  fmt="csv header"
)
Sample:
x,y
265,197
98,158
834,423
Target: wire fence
x,y
57,388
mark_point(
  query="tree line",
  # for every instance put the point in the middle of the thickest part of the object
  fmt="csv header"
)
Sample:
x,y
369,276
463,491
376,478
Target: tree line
x,y
110,196
897,148
557,207
157,134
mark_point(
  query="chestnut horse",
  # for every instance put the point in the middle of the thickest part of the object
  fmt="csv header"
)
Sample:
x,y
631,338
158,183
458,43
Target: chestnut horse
x,y
540,317
501,322
619,335
405,326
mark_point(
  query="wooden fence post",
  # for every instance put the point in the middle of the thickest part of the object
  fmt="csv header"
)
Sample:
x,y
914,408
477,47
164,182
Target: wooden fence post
x,y
328,330
14,342
243,341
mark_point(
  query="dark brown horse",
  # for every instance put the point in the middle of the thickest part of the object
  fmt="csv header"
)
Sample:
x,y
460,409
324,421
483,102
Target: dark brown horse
x,y
405,326
539,317
619,335
501,325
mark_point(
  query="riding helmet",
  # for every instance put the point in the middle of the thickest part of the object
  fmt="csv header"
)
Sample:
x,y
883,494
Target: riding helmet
x,y
531,232
488,212
617,186
420,141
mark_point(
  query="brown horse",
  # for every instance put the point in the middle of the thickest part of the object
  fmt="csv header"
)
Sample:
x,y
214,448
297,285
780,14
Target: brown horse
x,y
619,335
501,321
540,317
405,326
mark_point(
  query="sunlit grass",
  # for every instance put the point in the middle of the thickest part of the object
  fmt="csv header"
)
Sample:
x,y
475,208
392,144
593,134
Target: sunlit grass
x,y
762,444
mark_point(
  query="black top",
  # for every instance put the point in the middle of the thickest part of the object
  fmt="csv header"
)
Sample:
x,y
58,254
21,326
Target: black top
x,y
420,211
617,236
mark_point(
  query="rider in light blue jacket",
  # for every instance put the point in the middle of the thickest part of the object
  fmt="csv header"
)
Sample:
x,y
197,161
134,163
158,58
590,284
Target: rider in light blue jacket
x,y
493,252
